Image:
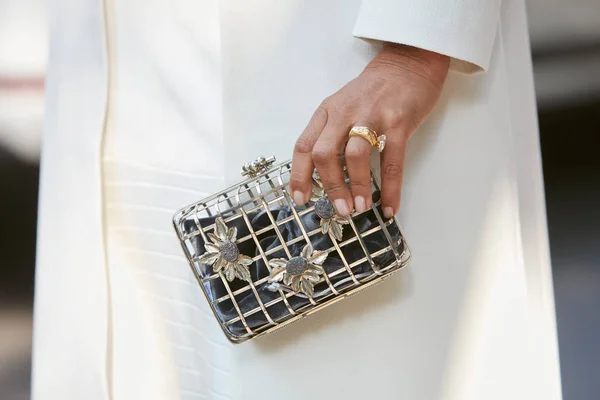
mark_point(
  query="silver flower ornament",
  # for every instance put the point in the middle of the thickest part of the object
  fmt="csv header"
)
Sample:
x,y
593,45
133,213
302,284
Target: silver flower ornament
x,y
223,253
300,273
330,221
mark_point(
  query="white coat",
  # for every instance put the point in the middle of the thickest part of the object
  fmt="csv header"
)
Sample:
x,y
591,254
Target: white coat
x,y
153,104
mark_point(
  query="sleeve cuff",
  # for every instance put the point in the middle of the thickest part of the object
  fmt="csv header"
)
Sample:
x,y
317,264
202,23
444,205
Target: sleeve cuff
x,y
461,29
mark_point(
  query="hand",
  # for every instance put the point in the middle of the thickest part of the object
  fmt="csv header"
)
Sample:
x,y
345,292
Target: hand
x,y
392,96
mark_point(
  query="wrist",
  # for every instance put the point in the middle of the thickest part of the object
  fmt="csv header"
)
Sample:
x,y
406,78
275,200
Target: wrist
x,y
398,57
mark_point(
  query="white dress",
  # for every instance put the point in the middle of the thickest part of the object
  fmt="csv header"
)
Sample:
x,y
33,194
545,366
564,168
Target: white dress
x,y
154,104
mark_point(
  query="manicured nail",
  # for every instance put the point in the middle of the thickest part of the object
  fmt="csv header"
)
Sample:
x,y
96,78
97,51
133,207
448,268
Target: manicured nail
x,y
388,212
359,204
341,207
299,198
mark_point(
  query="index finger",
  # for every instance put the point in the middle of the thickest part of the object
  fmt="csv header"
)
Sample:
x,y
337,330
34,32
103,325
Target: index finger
x,y
302,163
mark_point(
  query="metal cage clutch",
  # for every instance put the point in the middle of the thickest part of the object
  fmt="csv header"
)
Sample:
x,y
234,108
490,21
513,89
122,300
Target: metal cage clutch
x,y
264,263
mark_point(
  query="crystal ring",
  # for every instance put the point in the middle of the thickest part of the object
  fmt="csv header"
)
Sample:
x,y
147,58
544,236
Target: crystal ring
x,y
369,135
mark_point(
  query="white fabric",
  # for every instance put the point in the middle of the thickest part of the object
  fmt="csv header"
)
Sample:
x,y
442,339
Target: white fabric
x,y
71,313
462,29
195,88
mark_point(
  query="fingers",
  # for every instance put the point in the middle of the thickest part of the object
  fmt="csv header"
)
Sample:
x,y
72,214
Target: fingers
x,y
321,145
302,162
327,154
392,164
358,152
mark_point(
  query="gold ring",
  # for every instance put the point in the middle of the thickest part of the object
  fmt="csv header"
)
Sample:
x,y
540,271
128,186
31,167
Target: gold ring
x,y
369,135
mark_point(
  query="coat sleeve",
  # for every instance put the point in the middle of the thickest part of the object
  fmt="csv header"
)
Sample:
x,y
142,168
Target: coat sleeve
x,y
462,29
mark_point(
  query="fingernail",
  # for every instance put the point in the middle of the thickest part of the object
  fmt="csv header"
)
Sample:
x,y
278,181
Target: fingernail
x,y
341,207
359,204
299,198
388,212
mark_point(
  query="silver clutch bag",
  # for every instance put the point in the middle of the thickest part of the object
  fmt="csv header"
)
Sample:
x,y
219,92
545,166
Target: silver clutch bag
x,y
264,263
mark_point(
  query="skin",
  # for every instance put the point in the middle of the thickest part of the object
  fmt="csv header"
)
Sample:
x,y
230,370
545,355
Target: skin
x,y
393,96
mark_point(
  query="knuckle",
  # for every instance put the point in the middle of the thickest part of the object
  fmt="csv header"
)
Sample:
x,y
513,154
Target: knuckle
x,y
355,152
315,125
392,116
328,107
404,118
303,145
321,114
335,188
323,155
336,107
360,186
297,181
392,171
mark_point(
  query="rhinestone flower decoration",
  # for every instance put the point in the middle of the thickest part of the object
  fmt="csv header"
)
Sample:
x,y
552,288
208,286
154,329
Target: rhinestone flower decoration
x,y
330,221
223,253
300,273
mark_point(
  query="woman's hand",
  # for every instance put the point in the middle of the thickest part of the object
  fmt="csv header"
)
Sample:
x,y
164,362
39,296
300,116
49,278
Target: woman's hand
x,y
392,96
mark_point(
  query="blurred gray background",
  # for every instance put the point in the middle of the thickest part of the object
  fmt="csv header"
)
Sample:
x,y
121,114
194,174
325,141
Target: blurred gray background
x,y
565,37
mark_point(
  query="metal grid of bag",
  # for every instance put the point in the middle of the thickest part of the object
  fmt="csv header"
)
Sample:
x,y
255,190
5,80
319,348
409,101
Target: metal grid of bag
x,y
264,262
